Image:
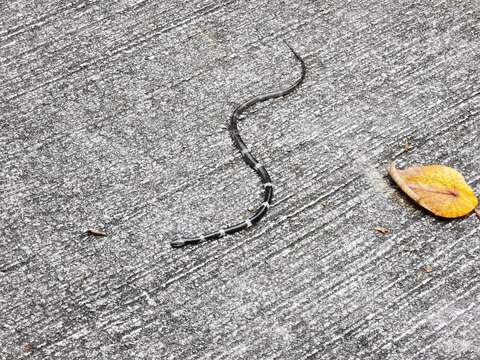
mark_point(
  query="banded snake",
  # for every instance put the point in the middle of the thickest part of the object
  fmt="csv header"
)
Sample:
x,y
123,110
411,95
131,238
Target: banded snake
x,y
258,167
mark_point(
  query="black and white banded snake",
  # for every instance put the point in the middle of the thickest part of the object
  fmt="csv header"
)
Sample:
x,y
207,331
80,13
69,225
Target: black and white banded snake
x,y
250,160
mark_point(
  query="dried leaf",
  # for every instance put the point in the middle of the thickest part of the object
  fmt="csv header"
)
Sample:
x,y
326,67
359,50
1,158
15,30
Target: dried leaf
x,y
438,188
477,211
381,229
96,232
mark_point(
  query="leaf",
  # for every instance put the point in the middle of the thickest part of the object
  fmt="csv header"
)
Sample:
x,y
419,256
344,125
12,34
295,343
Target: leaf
x,y
381,230
438,188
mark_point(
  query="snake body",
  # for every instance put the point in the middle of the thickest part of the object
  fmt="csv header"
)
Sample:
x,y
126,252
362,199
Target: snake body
x,y
258,167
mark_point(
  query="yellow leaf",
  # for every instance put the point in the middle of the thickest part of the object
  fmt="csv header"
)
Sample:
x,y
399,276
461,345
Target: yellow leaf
x,y
437,188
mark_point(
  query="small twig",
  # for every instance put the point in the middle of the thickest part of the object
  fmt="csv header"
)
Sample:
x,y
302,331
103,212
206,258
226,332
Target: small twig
x,y
427,269
381,230
96,232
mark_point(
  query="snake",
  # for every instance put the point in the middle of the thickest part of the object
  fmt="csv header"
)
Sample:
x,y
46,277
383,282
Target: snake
x,y
250,160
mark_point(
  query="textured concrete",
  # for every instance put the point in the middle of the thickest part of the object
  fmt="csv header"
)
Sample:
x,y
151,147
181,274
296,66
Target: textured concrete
x,y
113,114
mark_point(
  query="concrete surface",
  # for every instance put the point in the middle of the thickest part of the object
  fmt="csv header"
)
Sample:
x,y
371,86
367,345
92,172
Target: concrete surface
x,y
113,116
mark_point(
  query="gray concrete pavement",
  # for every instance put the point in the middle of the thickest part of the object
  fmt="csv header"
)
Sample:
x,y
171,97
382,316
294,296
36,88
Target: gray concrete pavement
x,y
113,114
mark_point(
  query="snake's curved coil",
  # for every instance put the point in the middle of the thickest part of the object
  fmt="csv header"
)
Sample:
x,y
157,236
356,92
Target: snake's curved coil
x,y
251,161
